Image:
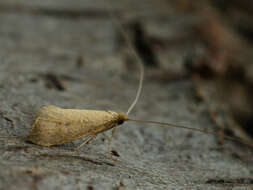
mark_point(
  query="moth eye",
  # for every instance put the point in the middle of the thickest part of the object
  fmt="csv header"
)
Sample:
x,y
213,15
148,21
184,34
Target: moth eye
x,y
121,121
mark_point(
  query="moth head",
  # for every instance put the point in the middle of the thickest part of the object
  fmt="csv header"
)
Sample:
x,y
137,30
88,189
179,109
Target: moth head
x,y
121,118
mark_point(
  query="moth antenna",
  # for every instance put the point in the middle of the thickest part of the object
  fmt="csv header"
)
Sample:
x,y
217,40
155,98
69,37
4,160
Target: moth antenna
x,y
192,129
139,61
132,51
138,91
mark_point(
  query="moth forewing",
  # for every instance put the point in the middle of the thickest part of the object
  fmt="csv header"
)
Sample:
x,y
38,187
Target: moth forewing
x,y
53,125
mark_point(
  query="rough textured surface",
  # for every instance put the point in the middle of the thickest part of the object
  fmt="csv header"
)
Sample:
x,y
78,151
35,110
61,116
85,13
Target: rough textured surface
x,y
72,59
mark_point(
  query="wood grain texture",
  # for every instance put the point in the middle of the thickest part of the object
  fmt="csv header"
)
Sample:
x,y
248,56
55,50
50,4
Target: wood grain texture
x,y
151,157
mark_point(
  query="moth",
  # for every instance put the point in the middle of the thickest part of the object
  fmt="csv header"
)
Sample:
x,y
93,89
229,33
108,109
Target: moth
x,y
54,126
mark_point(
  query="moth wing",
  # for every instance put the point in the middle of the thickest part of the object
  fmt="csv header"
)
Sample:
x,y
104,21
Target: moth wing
x,y
53,114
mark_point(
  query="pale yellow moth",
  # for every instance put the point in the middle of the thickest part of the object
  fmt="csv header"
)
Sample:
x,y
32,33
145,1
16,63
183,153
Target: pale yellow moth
x,y
53,125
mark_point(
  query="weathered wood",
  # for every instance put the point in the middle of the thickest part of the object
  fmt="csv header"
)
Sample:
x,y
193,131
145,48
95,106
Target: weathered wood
x,y
82,52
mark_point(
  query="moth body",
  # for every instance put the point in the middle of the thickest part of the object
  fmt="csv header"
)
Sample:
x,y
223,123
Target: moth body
x,y
53,125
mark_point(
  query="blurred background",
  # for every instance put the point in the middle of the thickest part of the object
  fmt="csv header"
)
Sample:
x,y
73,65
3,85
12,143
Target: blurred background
x,y
208,42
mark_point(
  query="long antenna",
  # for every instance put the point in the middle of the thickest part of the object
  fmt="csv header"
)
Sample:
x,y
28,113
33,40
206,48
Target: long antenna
x,y
132,51
138,91
192,129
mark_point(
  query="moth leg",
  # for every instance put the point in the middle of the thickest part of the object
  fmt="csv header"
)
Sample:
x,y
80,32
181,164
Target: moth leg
x,y
110,142
86,141
36,121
